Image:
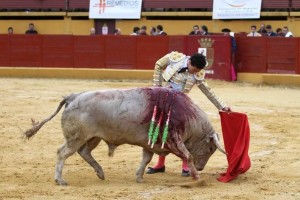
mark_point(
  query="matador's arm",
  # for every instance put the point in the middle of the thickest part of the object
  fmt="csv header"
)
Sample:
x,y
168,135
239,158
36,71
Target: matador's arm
x,y
204,87
160,65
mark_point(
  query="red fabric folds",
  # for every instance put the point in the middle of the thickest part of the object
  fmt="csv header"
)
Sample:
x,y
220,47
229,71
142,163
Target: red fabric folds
x,y
236,136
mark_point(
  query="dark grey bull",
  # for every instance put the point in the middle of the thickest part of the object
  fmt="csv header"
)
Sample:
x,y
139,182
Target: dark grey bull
x,y
123,117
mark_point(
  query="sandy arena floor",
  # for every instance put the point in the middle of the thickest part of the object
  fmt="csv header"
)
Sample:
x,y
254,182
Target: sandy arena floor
x,y
27,167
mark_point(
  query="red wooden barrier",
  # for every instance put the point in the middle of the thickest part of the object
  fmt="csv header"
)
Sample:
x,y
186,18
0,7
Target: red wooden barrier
x,y
251,54
89,52
298,67
120,52
25,50
4,50
150,49
282,55
257,55
57,51
177,43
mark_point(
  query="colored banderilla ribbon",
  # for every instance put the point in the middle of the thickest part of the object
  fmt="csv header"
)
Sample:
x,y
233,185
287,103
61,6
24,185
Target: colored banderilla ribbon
x,y
166,128
152,123
156,131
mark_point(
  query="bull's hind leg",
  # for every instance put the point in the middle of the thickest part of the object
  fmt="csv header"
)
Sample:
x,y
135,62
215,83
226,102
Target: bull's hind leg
x,y
147,157
63,153
85,152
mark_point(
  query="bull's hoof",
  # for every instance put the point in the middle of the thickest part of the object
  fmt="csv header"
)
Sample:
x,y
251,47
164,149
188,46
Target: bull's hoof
x,y
140,180
101,176
61,182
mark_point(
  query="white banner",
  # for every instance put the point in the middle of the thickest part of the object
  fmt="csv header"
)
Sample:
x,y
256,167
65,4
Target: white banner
x,y
236,9
115,9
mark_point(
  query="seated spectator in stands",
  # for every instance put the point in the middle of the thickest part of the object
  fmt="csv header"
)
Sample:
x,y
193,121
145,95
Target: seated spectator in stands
x,y
153,31
195,30
286,32
136,31
262,29
253,32
118,31
160,30
143,30
10,31
204,30
31,29
279,32
270,31
92,31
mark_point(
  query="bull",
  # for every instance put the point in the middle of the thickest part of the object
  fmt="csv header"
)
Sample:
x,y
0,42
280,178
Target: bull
x,y
122,116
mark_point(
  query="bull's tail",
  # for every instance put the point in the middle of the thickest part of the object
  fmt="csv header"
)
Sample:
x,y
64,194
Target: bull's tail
x,y
37,125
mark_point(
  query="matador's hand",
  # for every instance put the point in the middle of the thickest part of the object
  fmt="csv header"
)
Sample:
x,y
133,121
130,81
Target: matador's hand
x,y
227,109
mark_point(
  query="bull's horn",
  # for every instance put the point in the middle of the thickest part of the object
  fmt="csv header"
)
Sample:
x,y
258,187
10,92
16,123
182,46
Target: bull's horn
x,y
216,141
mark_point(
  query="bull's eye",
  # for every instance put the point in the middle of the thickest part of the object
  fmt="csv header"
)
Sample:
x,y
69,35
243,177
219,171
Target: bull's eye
x,y
211,149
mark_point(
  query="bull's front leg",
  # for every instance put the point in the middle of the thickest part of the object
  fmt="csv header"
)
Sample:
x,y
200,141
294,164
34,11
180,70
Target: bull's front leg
x,y
147,157
189,159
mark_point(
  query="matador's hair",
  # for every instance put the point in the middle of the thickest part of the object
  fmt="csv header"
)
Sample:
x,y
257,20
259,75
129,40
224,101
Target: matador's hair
x,y
198,60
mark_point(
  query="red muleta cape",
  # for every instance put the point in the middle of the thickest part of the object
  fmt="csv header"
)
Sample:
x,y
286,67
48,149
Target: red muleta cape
x,y
236,136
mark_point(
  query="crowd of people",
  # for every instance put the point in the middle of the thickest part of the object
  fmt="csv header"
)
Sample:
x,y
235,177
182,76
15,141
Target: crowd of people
x,y
264,30
158,30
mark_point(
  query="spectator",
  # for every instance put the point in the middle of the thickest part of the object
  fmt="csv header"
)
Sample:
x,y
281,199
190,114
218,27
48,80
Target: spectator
x,y
262,29
253,32
153,31
31,29
279,32
10,30
160,30
92,31
270,31
286,32
195,30
118,31
136,31
143,30
204,30
226,32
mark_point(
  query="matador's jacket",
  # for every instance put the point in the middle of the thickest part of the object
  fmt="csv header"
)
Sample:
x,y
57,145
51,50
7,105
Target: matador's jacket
x,y
172,68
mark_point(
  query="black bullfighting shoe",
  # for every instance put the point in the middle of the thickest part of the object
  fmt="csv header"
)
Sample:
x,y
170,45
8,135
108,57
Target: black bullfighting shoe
x,y
151,170
185,173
